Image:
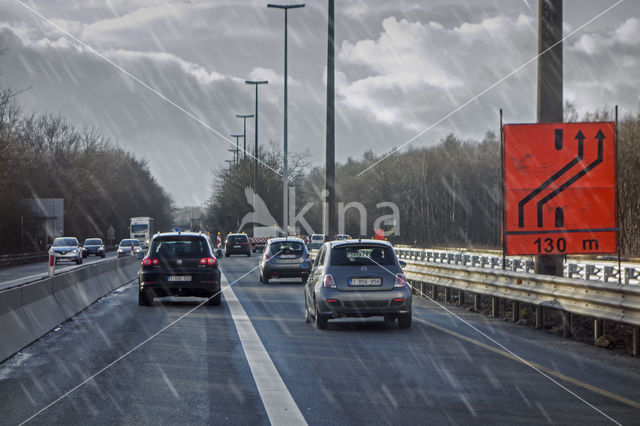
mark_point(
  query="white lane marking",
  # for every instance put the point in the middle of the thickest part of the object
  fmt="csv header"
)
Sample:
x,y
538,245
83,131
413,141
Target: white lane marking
x,y
278,402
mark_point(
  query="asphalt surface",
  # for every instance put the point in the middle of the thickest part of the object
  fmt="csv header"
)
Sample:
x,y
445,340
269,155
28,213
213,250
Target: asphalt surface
x,y
14,275
444,370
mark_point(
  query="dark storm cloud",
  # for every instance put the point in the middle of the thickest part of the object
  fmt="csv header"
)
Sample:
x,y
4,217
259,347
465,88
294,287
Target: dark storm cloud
x,y
401,66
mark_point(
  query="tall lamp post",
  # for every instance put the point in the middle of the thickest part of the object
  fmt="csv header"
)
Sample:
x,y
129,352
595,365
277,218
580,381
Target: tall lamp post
x,y
244,136
329,211
285,172
255,152
237,150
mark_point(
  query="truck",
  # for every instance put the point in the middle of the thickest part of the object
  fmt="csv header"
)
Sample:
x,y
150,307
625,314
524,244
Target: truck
x,y
141,228
261,234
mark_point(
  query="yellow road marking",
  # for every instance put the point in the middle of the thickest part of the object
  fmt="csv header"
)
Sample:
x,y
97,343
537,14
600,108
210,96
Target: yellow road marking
x,y
592,388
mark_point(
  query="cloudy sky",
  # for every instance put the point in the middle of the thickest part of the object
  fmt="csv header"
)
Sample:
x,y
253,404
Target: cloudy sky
x,y
400,67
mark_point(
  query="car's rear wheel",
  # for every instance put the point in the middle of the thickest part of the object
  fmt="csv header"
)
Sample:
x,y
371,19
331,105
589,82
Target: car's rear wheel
x,y
226,255
321,321
79,261
216,299
102,255
249,254
404,321
144,299
265,280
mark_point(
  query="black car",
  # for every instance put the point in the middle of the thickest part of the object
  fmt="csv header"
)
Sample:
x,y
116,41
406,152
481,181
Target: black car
x,y
179,264
237,244
93,247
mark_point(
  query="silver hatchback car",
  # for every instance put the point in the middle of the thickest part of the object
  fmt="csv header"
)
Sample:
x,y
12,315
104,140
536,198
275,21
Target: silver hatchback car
x,y
357,278
285,258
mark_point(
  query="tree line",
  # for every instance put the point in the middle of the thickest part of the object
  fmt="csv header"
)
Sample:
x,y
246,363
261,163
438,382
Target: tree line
x,y
102,185
448,195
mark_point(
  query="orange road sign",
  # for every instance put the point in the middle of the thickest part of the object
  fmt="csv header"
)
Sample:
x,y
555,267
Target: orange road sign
x,y
560,188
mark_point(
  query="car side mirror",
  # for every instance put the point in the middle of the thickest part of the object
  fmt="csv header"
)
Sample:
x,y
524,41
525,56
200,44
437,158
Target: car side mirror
x,y
402,263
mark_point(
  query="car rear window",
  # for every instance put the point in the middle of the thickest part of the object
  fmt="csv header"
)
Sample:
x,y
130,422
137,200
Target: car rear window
x,y
128,243
359,255
237,238
317,237
286,247
179,246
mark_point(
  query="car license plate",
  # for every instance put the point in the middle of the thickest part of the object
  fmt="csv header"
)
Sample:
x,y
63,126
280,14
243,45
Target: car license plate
x,y
180,278
236,246
364,281
288,256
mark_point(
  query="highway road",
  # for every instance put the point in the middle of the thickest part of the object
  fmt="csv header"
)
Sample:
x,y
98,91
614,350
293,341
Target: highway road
x,y
15,275
254,360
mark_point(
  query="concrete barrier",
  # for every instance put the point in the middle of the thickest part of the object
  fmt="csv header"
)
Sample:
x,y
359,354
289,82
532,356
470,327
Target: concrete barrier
x,y
41,308
14,324
29,311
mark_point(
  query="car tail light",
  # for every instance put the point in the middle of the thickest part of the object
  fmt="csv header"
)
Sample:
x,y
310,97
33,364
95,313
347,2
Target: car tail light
x,y
246,243
329,282
210,261
148,261
400,281
308,257
266,256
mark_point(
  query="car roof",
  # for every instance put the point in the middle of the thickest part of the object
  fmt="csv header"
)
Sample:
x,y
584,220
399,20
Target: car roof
x,y
178,234
353,242
281,239
233,234
64,238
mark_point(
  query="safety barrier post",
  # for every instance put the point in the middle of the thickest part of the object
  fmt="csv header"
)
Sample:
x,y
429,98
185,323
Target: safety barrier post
x,y
52,264
598,329
477,302
515,311
539,316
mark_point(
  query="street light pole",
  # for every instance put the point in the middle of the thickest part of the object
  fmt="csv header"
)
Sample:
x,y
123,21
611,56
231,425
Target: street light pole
x,y
237,147
329,200
244,136
255,153
285,172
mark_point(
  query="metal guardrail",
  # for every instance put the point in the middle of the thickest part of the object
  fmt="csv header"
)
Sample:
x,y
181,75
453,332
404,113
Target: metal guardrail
x,y
595,299
606,272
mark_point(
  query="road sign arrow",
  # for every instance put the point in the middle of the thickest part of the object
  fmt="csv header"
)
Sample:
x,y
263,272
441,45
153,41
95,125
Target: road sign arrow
x,y
580,138
600,137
